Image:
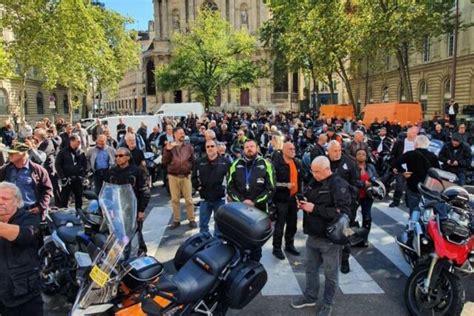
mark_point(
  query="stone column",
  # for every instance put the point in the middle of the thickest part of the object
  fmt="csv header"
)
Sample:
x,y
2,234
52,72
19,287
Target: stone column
x,y
165,15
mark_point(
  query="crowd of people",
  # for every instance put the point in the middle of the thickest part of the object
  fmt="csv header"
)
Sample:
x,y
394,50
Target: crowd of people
x,y
276,162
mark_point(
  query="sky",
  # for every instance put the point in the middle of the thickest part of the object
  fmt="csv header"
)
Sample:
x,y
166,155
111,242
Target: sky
x,y
140,10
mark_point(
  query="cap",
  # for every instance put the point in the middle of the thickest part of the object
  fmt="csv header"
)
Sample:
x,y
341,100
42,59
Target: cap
x,y
457,137
17,148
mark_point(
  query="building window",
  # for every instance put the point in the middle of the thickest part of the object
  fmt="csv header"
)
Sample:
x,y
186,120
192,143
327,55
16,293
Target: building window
x,y
423,95
76,104
385,94
446,90
3,101
150,78
426,49
176,20
40,103
209,5
451,44
66,104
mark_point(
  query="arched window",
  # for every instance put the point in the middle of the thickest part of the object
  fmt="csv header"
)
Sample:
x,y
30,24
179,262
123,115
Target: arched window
x,y
244,16
76,106
39,103
385,94
423,94
66,104
209,5
446,88
150,78
176,20
3,101
53,98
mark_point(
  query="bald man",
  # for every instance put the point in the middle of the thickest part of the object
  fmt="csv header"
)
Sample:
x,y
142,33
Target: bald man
x,y
327,196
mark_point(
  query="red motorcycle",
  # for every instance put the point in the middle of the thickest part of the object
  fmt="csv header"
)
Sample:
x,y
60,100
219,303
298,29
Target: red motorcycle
x,y
434,286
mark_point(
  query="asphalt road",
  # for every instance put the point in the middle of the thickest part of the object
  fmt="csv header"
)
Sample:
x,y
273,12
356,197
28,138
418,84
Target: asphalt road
x,y
373,287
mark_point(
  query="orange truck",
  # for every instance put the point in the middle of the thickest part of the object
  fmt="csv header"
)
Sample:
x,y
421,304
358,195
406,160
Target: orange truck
x,y
336,110
403,112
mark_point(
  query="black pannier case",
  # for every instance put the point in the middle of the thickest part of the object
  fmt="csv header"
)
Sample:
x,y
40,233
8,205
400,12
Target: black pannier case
x,y
191,246
244,283
246,226
144,270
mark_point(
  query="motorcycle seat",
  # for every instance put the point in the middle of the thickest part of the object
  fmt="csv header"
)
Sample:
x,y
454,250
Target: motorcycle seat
x,y
68,234
63,218
199,275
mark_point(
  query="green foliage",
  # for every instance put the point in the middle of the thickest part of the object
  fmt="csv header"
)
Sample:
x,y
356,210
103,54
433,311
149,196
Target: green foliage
x,y
209,56
5,62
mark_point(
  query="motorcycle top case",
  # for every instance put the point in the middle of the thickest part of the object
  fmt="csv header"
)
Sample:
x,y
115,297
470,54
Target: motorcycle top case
x,y
244,283
191,246
143,270
245,226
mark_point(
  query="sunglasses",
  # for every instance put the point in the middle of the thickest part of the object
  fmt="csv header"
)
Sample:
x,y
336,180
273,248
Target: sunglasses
x,y
210,146
120,156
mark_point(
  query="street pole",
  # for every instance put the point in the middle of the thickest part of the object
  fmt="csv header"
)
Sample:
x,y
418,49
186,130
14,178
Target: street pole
x,y
455,51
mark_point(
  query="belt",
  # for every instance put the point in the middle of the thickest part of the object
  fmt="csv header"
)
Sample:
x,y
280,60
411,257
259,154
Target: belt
x,y
179,175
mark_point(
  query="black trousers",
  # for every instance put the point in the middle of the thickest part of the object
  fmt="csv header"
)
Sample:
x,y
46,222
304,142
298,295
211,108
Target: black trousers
x,y
400,187
99,177
287,214
346,250
33,307
74,186
56,189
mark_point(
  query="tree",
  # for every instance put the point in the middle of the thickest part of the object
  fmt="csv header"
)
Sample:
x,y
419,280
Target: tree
x,y
5,64
314,35
400,26
30,23
211,55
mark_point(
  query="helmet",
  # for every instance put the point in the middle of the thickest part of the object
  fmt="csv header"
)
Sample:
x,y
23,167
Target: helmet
x,y
339,232
377,190
456,195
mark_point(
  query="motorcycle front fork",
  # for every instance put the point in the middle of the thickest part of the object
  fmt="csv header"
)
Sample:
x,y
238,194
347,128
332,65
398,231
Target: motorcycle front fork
x,y
427,281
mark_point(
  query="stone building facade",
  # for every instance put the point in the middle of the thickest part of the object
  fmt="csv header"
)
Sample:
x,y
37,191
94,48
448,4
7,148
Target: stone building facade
x,y
283,91
431,71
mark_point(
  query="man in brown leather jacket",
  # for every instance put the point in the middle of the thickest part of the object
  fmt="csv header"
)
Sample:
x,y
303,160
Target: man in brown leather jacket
x,y
178,158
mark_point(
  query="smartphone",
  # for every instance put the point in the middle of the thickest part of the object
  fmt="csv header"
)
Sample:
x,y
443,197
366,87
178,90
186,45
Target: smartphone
x,y
300,197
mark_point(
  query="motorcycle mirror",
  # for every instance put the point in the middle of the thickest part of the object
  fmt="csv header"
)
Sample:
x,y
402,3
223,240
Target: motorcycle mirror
x,y
90,195
151,308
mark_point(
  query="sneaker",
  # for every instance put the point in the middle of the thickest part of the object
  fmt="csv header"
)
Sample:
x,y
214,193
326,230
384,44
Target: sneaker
x,y
292,250
175,225
345,266
193,224
325,310
301,302
278,253
393,204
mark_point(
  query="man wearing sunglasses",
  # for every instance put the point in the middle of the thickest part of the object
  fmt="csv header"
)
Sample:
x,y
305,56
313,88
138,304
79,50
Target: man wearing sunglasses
x,y
208,177
125,172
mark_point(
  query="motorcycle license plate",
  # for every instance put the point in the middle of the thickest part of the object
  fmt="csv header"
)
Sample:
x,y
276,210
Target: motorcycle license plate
x,y
99,276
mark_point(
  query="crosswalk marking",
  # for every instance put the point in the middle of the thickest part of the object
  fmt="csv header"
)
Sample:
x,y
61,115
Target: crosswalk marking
x,y
282,280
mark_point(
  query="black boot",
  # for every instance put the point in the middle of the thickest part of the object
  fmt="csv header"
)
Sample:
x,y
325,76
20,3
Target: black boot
x,y
367,224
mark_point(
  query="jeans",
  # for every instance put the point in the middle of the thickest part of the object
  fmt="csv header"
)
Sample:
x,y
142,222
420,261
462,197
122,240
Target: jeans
x,y
205,211
321,252
413,200
461,177
287,213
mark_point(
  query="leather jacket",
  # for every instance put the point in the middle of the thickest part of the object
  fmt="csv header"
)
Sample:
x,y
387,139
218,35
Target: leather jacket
x,y
179,160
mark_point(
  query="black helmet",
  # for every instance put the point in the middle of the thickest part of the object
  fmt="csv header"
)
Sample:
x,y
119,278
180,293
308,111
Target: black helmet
x,y
456,195
377,191
339,232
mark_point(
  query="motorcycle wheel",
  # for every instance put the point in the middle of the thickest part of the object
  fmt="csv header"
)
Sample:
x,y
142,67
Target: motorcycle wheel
x,y
446,298
48,284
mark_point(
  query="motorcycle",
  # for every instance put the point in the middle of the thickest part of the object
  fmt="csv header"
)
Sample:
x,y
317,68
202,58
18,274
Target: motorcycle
x,y
438,243
153,162
72,236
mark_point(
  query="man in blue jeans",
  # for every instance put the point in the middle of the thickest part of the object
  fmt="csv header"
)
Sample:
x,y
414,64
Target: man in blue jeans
x,y
209,178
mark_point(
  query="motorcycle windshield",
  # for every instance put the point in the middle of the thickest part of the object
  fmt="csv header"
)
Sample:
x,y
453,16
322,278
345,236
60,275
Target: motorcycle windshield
x,y
119,204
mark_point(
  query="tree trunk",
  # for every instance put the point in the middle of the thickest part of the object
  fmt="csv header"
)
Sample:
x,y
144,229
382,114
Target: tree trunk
x,y
402,58
347,83
366,83
315,90
69,99
331,89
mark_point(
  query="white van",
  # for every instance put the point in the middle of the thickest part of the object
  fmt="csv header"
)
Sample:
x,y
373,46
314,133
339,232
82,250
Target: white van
x,y
129,120
180,109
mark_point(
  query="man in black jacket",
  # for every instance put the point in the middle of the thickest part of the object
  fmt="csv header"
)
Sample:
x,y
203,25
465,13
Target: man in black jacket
x,y
417,163
318,149
208,178
456,157
326,199
71,166
346,167
289,181
125,172
20,293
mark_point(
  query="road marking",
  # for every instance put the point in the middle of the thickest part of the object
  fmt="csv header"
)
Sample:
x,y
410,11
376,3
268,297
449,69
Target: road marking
x,y
395,213
386,244
358,281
